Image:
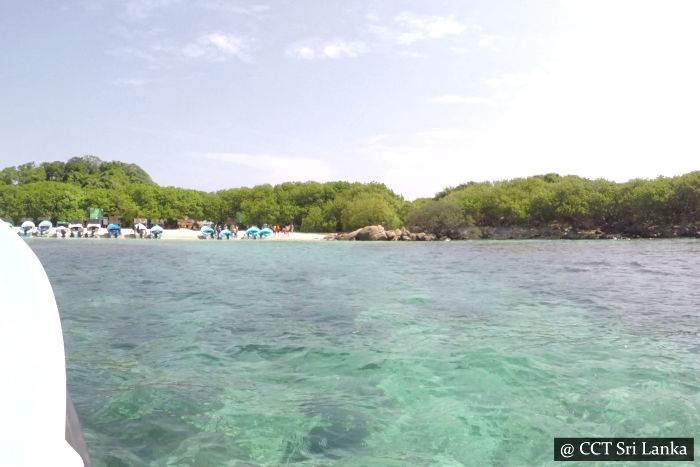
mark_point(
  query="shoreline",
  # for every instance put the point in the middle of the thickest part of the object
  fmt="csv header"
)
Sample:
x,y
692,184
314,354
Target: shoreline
x,y
186,234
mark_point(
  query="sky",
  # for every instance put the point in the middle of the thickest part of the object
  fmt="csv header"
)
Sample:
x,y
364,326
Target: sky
x,y
215,94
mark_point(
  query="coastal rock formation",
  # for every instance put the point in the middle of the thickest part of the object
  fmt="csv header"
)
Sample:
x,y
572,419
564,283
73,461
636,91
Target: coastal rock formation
x,y
552,231
377,233
371,232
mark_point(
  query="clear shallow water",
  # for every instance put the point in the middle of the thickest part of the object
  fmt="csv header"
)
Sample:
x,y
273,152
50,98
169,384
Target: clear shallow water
x,y
334,353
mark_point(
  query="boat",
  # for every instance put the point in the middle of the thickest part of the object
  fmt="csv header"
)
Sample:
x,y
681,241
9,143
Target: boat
x,y
39,424
252,232
156,231
44,228
62,229
27,228
207,232
114,230
92,230
140,230
76,228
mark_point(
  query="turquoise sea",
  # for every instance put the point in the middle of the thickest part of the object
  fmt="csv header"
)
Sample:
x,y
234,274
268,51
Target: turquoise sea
x,y
218,353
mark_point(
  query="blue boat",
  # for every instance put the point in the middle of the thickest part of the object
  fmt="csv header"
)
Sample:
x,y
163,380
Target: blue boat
x,y
44,228
207,232
227,234
252,232
114,230
156,231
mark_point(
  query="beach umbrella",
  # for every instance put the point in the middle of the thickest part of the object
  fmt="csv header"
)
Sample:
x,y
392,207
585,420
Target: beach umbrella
x,y
140,226
265,232
114,227
45,225
27,225
156,228
252,232
9,224
207,231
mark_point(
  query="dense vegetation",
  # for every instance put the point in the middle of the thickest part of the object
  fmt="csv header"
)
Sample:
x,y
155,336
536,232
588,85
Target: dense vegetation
x,y
64,191
628,207
67,190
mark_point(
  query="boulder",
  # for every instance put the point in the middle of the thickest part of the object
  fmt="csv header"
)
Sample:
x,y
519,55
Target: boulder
x,y
390,235
372,233
348,236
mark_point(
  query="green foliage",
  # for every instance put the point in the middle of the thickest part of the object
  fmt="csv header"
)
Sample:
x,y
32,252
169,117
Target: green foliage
x,y
570,200
67,190
441,217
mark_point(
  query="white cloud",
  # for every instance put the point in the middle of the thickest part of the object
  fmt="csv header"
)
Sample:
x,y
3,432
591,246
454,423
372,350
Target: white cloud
x,y
276,168
451,99
216,46
312,50
414,28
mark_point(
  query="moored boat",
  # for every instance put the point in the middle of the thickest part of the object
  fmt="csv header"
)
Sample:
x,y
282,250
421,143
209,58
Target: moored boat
x,y
114,230
156,231
27,228
44,229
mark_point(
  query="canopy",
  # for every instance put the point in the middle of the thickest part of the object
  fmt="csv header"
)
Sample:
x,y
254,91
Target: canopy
x,y
140,226
113,227
156,228
28,225
45,224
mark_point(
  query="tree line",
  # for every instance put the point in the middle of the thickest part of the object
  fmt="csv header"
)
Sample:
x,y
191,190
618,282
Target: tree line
x,y
628,207
64,191
67,190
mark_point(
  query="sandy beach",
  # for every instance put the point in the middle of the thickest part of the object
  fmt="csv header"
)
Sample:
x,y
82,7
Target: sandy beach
x,y
186,234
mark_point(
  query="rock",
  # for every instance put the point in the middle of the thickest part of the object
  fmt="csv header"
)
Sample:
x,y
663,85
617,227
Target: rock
x,y
430,237
348,236
332,236
372,233
390,235
420,236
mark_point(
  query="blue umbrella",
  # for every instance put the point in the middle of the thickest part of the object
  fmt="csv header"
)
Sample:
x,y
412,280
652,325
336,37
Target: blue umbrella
x,y
226,233
252,232
265,232
207,231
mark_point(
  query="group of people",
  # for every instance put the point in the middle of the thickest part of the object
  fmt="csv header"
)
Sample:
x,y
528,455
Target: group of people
x,y
278,230
227,232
